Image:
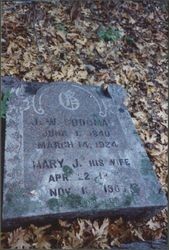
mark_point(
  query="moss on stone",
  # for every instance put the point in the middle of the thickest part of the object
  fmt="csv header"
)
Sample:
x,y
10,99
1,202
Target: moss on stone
x,y
9,197
72,200
67,170
77,201
15,195
145,166
113,202
134,188
128,200
18,201
53,204
91,202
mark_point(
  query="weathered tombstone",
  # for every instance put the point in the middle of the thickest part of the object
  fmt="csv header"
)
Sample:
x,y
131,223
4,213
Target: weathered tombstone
x,y
71,151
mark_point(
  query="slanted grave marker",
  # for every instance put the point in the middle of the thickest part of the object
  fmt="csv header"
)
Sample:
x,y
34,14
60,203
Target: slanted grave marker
x,y
71,151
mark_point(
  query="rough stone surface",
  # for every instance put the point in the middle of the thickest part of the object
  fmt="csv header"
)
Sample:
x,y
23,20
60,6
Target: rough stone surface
x,y
72,150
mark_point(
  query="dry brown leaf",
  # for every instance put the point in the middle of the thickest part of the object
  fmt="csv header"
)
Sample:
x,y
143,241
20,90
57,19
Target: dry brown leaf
x,y
115,242
140,65
42,242
38,230
72,241
138,233
62,35
153,224
82,228
64,223
131,20
102,230
18,239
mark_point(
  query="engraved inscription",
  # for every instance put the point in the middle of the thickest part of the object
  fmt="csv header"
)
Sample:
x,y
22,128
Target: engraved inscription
x,y
68,100
79,155
73,150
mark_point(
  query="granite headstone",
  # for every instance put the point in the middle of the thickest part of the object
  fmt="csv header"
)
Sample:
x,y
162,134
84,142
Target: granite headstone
x,y
72,150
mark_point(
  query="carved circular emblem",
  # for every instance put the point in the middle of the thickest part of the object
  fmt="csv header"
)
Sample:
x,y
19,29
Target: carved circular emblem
x,y
68,100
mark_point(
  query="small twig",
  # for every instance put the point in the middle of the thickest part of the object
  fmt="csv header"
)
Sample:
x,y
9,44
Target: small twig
x,y
34,8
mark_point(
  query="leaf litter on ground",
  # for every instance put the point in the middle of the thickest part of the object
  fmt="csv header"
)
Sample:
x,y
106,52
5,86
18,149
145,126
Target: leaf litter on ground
x,y
124,43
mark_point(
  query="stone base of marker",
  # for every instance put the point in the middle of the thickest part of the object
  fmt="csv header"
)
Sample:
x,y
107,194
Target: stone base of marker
x,y
73,151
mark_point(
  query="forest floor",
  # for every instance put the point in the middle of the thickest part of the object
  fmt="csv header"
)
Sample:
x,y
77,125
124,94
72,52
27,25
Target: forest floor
x,y
91,44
